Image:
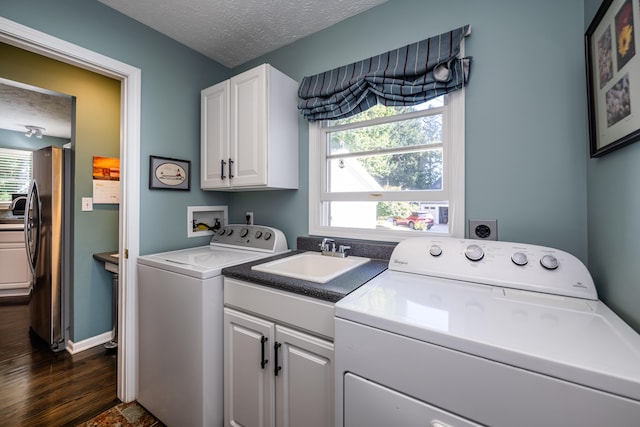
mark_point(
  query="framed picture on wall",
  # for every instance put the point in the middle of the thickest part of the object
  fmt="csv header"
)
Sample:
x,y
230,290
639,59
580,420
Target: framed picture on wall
x,y
169,174
613,76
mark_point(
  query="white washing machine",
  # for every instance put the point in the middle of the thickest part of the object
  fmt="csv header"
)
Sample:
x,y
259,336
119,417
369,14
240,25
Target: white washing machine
x,y
180,313
466,332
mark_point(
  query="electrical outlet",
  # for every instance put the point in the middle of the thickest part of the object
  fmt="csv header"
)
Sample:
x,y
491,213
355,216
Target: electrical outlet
x,y
249,218
483,229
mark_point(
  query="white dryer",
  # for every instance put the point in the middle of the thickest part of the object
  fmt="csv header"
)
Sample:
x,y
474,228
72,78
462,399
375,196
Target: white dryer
x,y
180,331
466,332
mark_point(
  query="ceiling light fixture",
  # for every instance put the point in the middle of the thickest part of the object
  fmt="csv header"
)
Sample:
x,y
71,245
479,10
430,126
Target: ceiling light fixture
x,y
34,130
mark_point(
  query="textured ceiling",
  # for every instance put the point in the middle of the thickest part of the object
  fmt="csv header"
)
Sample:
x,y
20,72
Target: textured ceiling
x,y
230,32
233,32
22,105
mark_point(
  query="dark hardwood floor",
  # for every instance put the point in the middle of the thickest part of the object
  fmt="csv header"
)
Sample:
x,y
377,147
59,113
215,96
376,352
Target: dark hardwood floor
x,y
41,388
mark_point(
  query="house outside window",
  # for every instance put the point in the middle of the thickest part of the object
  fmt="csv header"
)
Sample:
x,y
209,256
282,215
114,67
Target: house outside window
x,y
389,173
15,173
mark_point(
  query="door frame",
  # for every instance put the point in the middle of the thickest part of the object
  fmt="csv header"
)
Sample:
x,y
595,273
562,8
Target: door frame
x,y
41,43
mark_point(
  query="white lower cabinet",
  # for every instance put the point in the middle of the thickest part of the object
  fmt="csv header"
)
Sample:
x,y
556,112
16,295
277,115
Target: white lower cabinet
x,y
275,375
304,386
16,278
249,383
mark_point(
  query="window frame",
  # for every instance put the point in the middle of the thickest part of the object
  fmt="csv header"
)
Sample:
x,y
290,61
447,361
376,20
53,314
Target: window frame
x,y
12,153
453,145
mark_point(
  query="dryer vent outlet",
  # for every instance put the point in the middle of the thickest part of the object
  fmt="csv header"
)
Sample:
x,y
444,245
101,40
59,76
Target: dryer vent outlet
x,y
483,229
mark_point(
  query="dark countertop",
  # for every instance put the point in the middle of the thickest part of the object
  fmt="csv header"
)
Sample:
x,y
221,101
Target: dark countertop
x,y
333,290
107,257
7,217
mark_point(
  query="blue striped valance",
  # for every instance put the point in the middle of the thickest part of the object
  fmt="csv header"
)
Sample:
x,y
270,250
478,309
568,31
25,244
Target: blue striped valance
x,y
406,76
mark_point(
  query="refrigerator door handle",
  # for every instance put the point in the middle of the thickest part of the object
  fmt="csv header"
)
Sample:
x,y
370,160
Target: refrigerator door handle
x,y
32,226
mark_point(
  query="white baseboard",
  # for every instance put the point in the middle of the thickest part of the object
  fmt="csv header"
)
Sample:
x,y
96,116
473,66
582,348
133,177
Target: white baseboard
x,y
83,345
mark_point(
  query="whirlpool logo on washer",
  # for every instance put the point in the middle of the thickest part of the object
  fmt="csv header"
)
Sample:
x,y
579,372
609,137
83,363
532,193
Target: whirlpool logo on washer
x,y
397,261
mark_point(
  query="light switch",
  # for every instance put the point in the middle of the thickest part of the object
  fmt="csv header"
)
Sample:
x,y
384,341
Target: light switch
x,y
87,204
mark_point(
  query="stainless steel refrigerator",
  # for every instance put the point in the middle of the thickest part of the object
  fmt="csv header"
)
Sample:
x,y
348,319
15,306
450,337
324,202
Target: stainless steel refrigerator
x,y
48,228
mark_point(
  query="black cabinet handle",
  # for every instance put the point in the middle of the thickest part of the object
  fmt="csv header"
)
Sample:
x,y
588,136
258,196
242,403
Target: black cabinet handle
x,y
264,361
222,163
230,163
277,369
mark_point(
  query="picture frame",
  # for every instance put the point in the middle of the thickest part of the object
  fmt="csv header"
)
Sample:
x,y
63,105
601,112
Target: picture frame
x,y
613,77
169,174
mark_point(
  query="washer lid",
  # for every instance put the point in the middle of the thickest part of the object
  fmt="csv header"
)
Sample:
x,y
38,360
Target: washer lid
x,y
200,262
575,339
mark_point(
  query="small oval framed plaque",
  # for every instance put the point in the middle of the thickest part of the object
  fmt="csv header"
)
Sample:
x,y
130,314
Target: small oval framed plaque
x,y
167,173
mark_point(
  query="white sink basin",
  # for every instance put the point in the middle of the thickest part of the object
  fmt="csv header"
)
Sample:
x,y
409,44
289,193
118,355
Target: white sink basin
x,y
311,266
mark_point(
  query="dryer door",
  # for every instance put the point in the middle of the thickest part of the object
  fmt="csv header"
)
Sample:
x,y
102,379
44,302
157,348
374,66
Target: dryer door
x,y
371,404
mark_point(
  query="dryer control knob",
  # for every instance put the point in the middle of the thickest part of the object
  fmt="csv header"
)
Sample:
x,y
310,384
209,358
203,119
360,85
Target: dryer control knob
x,y
230,232
267,235
258,234
519,258
244,232
549,262
221,231
474,253
435,250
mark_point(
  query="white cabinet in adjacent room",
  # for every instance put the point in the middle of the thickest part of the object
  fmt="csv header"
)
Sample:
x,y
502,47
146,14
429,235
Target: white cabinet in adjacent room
x,y
249,132
16,278
275,373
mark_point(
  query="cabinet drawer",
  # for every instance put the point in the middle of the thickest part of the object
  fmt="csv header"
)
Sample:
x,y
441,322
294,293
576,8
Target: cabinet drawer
x,y
12,237
302,312
14,266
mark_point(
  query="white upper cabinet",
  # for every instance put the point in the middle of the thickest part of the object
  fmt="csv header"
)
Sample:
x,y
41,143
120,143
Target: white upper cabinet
x,y
214,145
249,134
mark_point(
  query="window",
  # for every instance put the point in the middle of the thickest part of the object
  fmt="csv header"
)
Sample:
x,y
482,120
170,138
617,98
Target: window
x,y
389,173
15,173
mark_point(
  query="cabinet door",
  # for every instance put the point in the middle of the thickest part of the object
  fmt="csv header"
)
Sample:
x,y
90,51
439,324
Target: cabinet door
x,y
248,370
248,132
214,136
304,385
14,265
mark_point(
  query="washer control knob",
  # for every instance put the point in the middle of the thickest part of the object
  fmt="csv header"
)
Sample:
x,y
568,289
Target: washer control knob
x,y
230,232
221,231
549,262
267,235
258,234
244,232
474,253
435,250
519,258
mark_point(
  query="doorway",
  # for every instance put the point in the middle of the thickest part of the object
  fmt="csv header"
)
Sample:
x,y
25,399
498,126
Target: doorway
x,y
130,77
95,136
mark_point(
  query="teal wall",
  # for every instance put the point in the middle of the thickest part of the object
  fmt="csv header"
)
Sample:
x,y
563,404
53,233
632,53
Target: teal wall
x,y
172,77
525,110
613,211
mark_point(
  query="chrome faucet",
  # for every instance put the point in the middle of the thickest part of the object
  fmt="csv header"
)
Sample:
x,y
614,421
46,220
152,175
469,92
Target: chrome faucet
x,y
328,248
328,245
15,201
